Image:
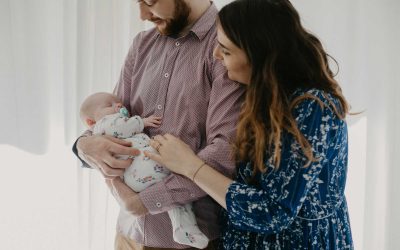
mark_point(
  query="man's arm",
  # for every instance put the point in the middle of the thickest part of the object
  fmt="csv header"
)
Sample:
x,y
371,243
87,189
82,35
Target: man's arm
x,y
97,151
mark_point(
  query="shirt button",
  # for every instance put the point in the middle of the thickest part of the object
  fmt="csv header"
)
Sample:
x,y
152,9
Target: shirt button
x,y
177,44
192,195
166,75
159,107
158,204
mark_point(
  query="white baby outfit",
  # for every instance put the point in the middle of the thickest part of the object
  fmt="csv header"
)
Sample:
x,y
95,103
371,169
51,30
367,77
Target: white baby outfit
x,y
144,172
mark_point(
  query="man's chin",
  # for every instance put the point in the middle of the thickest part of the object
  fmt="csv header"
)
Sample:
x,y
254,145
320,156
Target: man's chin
x,y
161,27
162,31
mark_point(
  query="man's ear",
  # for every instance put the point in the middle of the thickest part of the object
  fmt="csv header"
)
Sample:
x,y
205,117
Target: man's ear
x,y
90,122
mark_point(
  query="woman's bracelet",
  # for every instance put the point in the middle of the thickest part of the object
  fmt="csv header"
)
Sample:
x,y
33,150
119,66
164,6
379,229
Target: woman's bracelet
x,y
198,169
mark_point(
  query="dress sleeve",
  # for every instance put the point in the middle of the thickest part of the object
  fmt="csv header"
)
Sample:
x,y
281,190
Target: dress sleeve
x,y
271,208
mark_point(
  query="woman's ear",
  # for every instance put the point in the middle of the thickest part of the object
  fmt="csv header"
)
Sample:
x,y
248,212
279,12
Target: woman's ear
x,y
90,122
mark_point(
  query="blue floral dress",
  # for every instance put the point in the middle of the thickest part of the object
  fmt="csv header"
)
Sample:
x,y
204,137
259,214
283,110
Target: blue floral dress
x,y
295,207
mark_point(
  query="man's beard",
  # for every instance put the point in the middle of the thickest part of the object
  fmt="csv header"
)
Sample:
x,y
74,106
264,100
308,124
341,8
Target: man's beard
x,y
179,21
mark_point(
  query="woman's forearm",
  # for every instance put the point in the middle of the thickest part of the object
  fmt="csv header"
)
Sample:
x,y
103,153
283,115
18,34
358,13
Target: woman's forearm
x,y
213,183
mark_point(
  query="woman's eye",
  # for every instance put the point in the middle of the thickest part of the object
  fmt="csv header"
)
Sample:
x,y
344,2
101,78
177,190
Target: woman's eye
x,y
226,53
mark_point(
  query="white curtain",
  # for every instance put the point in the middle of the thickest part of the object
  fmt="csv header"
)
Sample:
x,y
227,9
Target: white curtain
x,y
55,52
364,38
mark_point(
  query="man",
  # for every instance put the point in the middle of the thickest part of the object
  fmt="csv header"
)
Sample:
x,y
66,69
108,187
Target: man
x,y
170,72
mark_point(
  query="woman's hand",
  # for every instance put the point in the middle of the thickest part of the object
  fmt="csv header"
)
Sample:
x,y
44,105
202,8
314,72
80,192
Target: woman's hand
x,y
174,154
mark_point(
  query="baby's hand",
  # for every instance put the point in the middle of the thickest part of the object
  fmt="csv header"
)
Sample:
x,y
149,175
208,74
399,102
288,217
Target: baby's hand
x,y
152,121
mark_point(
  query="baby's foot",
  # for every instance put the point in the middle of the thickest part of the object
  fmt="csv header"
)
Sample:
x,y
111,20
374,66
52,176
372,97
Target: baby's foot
x,y
191,236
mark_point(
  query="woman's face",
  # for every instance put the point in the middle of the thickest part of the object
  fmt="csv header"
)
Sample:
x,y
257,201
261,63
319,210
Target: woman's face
x,y
233,58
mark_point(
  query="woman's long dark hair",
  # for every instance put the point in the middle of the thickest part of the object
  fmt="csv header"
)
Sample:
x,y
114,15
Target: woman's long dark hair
x,y
284,57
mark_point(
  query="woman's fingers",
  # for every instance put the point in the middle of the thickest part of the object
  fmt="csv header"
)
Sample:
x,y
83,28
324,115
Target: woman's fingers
x,y
156,145
154,157
169,137
160,139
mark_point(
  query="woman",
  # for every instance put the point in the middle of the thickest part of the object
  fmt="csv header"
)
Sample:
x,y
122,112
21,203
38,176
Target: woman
x,y
291,143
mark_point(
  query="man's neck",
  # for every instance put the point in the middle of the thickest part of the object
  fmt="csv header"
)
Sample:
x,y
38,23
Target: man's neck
x,y
198,8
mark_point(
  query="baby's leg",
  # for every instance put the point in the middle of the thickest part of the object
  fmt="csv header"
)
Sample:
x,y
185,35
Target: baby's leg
x,y
185,229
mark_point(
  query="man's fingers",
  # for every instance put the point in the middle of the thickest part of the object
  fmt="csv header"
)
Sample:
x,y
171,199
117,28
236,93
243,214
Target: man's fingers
x,y
119,141
122,150
117,163
108,171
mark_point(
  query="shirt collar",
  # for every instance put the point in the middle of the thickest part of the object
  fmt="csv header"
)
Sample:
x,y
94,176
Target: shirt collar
x,y
205,22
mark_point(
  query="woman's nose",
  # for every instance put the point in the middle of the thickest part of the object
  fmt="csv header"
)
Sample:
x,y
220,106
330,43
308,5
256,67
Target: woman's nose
x,y
217,52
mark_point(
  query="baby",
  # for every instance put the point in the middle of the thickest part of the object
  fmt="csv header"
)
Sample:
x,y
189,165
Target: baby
x,y
104,114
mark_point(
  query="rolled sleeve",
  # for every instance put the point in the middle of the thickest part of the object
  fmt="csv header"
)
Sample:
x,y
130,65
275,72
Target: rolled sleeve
x,y
173,191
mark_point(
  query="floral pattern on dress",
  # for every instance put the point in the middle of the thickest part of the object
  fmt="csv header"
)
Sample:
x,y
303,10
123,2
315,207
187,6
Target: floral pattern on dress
x,y
295,207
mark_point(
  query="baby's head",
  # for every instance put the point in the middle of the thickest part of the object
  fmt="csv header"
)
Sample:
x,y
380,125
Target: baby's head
x,y
98,105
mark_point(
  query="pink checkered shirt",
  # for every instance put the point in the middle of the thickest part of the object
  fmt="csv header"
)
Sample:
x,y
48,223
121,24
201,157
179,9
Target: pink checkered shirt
x,y
179,80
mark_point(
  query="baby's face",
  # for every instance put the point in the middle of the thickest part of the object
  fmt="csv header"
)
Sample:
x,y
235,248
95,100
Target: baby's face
x,y
108,108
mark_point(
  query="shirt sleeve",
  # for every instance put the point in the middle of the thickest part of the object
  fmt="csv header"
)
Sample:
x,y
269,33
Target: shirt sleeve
x,y
122,90
75,149
124,84
270,210
222,115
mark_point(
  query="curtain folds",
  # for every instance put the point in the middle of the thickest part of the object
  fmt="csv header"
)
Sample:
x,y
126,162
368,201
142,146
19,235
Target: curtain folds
x,y
53,53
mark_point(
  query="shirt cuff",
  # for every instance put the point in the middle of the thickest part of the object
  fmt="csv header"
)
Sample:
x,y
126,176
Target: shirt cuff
x,y
156,201
75,151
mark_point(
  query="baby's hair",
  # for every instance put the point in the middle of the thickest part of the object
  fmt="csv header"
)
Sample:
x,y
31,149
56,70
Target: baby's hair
x,y
87,109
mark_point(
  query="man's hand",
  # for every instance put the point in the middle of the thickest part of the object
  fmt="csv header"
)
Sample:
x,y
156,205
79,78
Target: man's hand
x,y
99,151
126,197
152,121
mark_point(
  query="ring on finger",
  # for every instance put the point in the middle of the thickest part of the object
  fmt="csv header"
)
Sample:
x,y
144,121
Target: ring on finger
x,y
158,146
